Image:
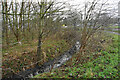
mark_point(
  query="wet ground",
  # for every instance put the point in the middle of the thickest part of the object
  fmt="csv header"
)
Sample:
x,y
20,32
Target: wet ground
x,y
47,66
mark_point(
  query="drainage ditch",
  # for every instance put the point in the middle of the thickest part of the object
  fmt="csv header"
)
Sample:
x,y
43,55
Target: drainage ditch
x,y
47,66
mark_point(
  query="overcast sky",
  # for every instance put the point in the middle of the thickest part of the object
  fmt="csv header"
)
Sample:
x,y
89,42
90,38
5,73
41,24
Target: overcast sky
x,y
73,1
112,3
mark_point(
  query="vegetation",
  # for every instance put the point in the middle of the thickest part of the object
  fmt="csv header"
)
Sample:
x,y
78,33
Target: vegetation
x,y
32,33
103,64
21,57
114,27
28,32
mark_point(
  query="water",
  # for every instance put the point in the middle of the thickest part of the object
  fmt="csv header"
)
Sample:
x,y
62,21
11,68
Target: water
x,y
46,67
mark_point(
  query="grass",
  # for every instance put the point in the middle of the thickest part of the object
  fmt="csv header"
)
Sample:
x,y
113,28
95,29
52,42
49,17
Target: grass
x,y
102,67
117,31
20,48
113,27
18,56
105,65
105,62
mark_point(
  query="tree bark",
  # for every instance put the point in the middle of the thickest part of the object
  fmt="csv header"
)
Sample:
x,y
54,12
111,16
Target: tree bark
x,y
6,24
39,52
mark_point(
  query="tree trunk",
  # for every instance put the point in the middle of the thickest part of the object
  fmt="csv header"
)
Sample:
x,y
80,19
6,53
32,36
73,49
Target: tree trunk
x,y
3,21
39,52
17,29
6,24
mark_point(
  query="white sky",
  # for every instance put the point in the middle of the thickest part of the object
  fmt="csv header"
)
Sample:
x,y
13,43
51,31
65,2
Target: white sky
x,y
112,3
73,2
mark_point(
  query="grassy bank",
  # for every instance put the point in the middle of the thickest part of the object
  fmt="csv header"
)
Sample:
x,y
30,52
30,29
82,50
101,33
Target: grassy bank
x,y
21,56
103,64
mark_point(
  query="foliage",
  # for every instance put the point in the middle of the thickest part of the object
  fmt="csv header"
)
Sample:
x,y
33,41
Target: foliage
x,y
18,56
104,66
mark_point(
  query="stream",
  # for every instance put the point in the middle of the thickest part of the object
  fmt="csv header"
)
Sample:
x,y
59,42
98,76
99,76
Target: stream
x,y
51,64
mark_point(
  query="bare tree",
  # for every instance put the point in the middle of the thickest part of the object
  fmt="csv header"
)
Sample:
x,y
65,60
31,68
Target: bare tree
x,y
89,23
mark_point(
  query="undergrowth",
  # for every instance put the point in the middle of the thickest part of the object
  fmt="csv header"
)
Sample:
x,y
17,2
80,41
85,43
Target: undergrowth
x,y
103,64
21,56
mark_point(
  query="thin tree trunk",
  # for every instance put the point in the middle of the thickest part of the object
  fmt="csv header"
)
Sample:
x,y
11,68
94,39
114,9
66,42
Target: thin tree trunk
x,y
39,52
29,17
3,21
17,29
6,25
20,19
23,29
